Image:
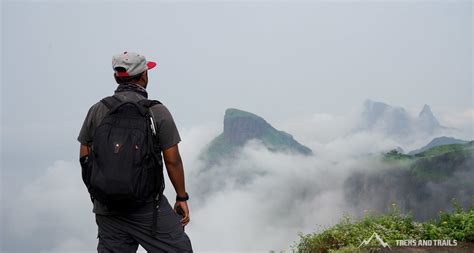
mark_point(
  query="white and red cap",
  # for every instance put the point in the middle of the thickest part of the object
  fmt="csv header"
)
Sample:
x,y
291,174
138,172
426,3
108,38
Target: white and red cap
x,y
130,64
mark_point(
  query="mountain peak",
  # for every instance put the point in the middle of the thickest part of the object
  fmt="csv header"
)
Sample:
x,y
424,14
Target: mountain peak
x,y
240,127
371,105
395,121
426,111
378,114
427,118
233,112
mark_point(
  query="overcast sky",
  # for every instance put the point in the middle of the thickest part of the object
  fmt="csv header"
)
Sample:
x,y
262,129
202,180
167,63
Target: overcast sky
x,y
280,60
276,59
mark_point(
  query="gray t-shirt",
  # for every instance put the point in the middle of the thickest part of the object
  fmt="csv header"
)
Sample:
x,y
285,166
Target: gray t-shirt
x,y
168,134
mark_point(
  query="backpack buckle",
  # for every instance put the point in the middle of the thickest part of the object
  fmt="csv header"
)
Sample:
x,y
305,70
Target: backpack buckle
x,y
117,147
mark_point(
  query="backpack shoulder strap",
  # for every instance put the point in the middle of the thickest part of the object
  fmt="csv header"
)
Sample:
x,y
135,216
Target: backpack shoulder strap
x,y
148,103
111,101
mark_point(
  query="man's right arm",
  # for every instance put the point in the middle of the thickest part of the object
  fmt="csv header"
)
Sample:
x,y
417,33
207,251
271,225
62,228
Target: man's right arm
x,y
85,134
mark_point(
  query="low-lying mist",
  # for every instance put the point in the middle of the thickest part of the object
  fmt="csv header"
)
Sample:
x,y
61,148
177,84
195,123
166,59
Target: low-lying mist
x,y
257,202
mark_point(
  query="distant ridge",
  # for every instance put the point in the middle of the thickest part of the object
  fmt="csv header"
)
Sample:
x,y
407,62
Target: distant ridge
x,y
439,141
396,122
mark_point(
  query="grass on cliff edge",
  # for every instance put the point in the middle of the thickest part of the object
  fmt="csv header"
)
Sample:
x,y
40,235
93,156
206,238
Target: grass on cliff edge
x,y
348,234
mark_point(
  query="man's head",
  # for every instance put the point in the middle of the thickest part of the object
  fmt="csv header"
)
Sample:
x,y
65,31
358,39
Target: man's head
x,y
131,68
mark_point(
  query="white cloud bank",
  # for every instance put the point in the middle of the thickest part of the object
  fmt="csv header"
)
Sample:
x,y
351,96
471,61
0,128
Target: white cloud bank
x,y
50,214
257,203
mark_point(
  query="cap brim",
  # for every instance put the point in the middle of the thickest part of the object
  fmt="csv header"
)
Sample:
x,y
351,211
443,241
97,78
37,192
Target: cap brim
x,y
150,64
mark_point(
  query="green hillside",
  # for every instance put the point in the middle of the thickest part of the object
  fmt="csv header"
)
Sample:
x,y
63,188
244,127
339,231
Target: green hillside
x,y
439,141
438,150
349,233
217,149
443,149
436,163
423,185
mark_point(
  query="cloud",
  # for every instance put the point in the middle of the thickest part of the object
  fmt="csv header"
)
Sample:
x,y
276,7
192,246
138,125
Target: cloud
x,y
259,202
53,212
317,127
263,200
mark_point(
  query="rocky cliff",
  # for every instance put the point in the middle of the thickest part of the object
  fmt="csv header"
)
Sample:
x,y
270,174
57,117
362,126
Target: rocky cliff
x,y
396,122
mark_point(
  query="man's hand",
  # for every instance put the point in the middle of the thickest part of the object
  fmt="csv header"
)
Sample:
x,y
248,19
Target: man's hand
x,y
181,207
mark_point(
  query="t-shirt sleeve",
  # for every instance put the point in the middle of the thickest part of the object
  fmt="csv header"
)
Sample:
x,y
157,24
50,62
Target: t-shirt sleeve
x,y
168,134
85,135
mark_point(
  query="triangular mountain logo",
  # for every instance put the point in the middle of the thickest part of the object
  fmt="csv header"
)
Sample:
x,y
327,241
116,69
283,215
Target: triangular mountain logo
x,y
378,238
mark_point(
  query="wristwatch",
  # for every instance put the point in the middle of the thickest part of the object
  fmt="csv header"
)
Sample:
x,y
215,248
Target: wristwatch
x,y
185,198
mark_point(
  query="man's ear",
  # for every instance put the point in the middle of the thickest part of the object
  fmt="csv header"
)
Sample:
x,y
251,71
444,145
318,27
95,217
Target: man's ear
x,y
144,78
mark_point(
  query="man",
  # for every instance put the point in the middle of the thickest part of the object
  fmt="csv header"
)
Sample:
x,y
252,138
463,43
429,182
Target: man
x,y
123,231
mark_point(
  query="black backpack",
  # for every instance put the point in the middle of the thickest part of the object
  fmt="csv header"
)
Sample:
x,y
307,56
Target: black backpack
x,y
126,167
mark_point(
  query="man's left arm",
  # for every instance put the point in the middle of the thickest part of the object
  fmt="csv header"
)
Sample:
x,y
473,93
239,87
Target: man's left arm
x,y
174,167
83,150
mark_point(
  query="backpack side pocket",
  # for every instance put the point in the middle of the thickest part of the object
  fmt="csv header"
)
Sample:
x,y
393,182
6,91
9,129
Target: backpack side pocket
x,y
86,166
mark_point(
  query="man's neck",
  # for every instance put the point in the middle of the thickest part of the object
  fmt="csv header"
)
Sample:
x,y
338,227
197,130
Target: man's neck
x,y
132,87
140,86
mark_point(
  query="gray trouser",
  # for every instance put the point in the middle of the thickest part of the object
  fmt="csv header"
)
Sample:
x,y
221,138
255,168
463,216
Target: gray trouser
x,y
123,233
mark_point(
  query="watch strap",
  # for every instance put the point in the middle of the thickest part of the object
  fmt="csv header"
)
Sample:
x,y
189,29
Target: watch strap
x,y
182,198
